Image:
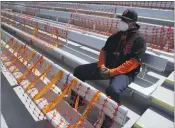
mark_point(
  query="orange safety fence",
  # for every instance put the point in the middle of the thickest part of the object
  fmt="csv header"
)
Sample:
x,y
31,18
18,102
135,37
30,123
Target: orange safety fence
x,y
52,39
6,43
17,57
87,5
143,4
16,49
78,8
161,38
91,103
50,99
25,58
35,80
9,46
30,70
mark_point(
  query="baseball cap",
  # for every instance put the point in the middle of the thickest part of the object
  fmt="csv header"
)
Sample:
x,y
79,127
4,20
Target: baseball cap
x,y
129,15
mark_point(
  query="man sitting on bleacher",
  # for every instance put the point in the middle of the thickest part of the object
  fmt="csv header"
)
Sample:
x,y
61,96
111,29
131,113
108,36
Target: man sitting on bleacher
x,y
119,60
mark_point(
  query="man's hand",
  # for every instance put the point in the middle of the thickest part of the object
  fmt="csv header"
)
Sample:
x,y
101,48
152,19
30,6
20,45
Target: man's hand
x,y
105,72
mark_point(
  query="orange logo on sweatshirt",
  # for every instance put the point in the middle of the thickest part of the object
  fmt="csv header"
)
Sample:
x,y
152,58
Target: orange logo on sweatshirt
x,y
127,48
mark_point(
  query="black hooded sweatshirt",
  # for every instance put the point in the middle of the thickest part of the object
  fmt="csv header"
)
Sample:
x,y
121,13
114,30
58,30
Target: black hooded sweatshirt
x,y
123,46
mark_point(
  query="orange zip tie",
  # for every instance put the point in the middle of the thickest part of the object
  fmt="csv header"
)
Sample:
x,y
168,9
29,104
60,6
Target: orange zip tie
x,y
38,78
50,106
34,70
10,40
57,77
15,59
76,102
17,49
13,53
83,117
35,31
43,76
19,79
27,57
51,34
57,33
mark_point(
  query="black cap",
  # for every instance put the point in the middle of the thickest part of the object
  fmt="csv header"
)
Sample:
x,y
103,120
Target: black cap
x,y
129,15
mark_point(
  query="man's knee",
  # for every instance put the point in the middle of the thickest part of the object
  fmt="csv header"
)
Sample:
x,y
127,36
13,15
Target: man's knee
x,y
77,71
119,83
112,89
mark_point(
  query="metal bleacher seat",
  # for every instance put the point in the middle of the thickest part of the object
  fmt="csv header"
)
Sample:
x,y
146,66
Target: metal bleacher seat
x,y
153,62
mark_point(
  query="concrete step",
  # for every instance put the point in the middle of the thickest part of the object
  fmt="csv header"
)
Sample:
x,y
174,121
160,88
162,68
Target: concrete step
x,y
163,98
170,80
152,118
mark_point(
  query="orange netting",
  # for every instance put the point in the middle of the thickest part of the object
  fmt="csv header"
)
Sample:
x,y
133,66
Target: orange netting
x,y
41,83
161,38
